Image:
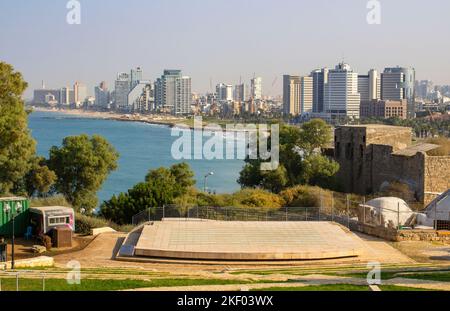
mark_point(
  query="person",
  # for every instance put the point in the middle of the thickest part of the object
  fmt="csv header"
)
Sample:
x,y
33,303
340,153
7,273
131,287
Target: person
x,y
3,248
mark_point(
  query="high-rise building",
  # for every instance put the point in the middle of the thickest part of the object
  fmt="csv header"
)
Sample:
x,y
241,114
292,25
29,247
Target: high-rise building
x,y
297,95
173,92
65,95
424,88
398,83
121,90
239,92
80,93
135,77
256,88
341,97
369,86
141,97
320,78
102,96
224,92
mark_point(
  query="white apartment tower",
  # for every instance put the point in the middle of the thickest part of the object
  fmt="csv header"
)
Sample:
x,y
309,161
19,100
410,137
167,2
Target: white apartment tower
x,y
341,96
256,88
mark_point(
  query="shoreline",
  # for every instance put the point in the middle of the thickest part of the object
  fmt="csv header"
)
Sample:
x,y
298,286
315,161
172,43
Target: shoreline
x,y
111,116
169,121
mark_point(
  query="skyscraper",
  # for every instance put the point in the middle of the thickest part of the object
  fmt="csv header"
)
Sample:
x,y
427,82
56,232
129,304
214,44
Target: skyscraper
x,y
398,83
341,97
297,95
224,92
239,92
256,88
121,90
135,76
173,92
102,96
369,86
80,93
320,78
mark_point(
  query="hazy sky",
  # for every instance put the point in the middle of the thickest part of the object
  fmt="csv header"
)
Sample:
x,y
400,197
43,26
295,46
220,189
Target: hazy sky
x,y
220,39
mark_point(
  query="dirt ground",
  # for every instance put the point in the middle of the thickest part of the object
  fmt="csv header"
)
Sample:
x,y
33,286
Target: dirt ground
x,y
425,252
23,248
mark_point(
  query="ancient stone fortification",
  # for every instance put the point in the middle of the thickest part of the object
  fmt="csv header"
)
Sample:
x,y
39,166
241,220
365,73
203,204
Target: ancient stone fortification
x,y
395,235
372,156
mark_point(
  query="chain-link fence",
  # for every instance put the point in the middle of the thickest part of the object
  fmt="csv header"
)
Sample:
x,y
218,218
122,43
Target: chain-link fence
x,y
344,209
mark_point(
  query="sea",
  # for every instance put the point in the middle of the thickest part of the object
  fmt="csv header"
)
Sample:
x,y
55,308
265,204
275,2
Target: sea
x,y
141,147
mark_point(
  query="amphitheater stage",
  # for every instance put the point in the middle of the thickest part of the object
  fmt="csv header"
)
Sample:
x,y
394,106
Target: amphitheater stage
x,y
189,239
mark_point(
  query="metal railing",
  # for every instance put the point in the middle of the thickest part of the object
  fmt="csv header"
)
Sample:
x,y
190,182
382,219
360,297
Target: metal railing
x,y
11,280
341,209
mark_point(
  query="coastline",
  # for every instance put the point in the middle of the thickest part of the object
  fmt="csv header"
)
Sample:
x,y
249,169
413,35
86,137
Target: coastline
x,y
157,120
165,120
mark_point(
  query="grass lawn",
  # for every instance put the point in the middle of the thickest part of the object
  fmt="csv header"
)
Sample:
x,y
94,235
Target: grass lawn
x,y
313,288
443,276
339,288
27,284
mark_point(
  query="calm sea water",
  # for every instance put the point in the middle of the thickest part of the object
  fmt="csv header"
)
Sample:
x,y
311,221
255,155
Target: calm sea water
x,y
141,147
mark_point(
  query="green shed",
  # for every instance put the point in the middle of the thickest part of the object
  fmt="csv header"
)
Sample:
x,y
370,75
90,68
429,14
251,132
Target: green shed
x,y
22,219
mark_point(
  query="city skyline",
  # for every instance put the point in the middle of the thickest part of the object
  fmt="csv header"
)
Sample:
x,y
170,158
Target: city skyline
x,y
285,42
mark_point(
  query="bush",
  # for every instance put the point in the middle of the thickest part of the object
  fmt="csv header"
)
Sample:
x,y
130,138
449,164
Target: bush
x,y
84,224
57,200
256,198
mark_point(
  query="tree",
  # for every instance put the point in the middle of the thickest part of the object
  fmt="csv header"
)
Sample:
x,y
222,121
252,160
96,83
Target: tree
x,y
314,135
161,187
82,164
40,179
17,147
301,161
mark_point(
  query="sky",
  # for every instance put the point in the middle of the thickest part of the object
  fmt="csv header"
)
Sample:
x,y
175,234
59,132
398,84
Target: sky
x,y
217,41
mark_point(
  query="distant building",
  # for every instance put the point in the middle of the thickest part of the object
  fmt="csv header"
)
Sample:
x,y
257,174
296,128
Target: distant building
x,y
384,109
141,97
41,96
224,92
424,89
297,95
369,86
121,90
102,96
398,83
80,93
239,92
341,97
320,78
173,92
256,88
66,96
135,77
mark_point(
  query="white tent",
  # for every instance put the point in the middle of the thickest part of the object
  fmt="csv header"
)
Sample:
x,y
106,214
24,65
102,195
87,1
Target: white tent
x,y
439,208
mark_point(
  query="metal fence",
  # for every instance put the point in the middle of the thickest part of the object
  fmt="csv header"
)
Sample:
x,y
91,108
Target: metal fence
x,y
339,208
14,281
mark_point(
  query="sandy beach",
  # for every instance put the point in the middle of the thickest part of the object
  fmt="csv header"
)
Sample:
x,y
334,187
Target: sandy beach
x,y
151,119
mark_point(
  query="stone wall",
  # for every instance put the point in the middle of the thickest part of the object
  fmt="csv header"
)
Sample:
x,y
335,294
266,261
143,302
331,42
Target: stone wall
x,y
368,160
436,176
395,235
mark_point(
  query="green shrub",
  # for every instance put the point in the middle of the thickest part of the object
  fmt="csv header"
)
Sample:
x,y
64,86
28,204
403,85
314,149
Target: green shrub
x,y
84,224
56,200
